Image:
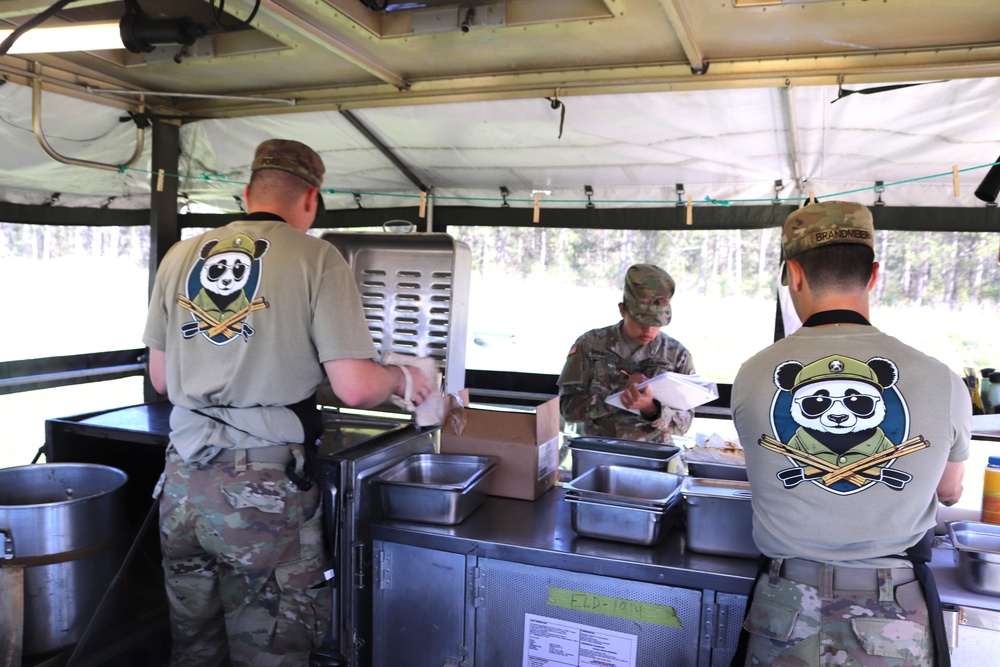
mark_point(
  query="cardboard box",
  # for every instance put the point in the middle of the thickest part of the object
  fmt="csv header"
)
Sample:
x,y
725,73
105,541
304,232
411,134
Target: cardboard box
x,y
526,444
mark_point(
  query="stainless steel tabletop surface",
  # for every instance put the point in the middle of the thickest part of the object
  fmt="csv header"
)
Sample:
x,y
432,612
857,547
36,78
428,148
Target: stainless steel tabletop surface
x,y
540,533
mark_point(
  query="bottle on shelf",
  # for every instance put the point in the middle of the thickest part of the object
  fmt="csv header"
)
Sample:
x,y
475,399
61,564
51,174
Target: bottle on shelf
x,y
984,389
994,393
991,491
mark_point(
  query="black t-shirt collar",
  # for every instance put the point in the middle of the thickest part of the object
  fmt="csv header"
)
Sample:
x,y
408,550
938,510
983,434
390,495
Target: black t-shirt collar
x,y
836,317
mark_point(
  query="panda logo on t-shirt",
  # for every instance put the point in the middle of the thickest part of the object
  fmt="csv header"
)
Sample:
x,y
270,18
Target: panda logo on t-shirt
x,y
222,287
841,424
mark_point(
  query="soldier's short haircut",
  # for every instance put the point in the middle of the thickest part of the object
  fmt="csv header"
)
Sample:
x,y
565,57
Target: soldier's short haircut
x,y
837,267
274,184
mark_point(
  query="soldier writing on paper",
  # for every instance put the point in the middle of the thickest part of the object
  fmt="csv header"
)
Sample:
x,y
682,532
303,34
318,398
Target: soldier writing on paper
x,y
619,357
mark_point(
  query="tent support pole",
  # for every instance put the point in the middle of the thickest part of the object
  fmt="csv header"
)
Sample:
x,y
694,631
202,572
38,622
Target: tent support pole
x,y
377,143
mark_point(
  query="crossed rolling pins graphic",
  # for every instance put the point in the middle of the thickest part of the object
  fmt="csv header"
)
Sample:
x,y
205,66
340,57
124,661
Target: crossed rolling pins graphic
x,y
229,327
859,473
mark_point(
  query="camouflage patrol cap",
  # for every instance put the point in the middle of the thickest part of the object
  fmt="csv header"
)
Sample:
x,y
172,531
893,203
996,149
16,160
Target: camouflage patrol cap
x,y
291,156
648,290
825,223
836,367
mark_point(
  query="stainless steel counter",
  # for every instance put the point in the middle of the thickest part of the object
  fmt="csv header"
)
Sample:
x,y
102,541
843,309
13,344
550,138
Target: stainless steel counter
x,y
539,533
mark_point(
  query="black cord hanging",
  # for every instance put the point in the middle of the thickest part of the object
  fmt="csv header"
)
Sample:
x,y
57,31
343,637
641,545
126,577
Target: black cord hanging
x,y
557,104
218,14
842,93
357,199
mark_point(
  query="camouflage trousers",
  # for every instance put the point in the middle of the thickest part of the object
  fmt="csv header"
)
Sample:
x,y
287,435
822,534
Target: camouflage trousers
x,y
244,560
793,624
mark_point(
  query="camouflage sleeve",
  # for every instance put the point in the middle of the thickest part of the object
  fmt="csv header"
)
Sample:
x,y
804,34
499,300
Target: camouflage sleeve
x,y
677,422
674,422
578,402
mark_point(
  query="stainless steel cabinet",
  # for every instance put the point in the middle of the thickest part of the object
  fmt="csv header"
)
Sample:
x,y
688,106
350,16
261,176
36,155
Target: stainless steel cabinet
x,y
422,614
441,608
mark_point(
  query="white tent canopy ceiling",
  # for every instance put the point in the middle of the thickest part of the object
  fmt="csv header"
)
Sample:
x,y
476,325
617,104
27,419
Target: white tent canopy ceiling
x,y
630,97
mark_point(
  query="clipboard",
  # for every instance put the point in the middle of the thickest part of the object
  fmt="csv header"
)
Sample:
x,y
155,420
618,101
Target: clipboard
x,y
674,390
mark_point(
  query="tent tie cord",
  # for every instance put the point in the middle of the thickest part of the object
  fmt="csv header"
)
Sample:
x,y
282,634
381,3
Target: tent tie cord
x,y
204,176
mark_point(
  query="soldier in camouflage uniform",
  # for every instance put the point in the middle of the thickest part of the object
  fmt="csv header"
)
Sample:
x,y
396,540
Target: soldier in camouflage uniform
x,y
615,358
852,438
244,323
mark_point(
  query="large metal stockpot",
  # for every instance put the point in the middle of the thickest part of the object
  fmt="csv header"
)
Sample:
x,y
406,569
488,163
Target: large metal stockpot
x,y
64,523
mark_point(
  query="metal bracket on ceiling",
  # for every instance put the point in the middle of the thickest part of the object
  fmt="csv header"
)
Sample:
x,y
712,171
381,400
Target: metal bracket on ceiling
x,y
36,126
504,192
680,194
589,191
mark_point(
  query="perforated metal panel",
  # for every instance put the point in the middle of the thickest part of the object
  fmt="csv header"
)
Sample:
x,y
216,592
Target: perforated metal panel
x,y
734,606
415,292
511,590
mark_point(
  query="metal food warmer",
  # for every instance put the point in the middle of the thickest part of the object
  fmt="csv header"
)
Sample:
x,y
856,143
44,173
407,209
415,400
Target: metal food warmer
x,y
415,294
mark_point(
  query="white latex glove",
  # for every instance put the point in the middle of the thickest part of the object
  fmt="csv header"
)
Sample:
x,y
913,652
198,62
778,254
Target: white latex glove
x,y
430,412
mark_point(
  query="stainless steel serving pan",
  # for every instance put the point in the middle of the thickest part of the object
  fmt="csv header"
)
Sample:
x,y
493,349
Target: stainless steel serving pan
x,y
631,485
591,451
710,470
977,549
620,522
435,488
719,517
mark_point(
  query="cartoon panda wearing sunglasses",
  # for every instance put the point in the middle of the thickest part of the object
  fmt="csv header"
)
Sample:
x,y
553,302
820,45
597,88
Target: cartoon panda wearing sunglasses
x,y
841,423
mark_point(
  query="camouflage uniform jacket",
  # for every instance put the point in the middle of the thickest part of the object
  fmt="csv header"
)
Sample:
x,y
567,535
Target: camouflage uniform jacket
x,y
593,372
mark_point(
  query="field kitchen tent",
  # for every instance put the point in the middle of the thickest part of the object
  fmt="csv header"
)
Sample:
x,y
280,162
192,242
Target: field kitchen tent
x,y
625,104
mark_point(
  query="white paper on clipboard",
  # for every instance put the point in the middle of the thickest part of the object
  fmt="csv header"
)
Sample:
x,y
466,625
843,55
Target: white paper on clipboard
x,y
674,390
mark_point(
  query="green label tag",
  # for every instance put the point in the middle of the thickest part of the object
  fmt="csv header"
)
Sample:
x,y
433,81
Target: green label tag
x,y
631,610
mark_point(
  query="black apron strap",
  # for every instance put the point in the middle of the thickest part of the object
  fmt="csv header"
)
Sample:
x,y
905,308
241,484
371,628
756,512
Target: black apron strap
x,y
920,555
312,428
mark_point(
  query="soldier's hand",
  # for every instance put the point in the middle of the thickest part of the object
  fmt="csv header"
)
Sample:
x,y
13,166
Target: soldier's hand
x,y
422,385
635,398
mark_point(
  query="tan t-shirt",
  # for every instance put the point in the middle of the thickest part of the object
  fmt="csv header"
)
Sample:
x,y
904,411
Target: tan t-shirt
x,y
247,313
846,432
